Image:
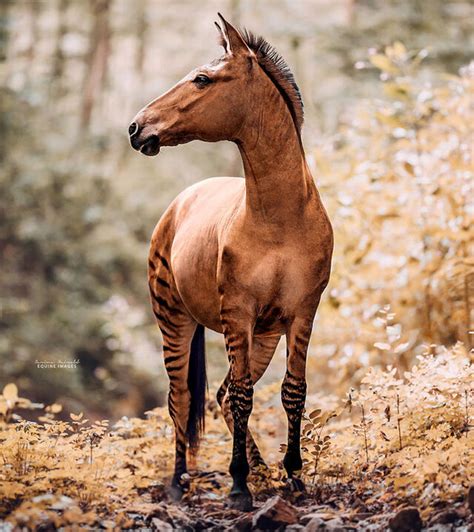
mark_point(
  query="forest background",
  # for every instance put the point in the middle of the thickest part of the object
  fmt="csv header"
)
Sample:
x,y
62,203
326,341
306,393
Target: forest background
x,y
388,87
387,134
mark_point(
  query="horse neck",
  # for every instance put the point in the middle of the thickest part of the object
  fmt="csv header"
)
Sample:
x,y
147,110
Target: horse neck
x,y
278,181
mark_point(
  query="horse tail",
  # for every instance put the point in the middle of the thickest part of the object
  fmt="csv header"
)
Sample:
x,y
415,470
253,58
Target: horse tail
x,y
197,384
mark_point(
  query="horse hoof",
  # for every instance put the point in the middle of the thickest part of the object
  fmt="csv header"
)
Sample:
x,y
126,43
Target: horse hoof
x,y
175,493
241,501
297,485
178,488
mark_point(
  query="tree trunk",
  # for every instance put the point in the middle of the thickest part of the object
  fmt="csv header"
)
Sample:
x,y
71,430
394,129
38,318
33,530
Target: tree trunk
x,y
58,57
98,59
142,28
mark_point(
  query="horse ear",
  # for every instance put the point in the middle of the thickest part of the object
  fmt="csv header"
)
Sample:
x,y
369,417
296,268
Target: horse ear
x,y
222,38
232,40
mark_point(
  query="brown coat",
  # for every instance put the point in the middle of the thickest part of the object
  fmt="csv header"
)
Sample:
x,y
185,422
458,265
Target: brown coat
x,y
245,257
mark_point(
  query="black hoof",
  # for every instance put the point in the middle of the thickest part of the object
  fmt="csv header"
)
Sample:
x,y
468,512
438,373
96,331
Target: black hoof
x,y
297,485
241,501
178,488
175,493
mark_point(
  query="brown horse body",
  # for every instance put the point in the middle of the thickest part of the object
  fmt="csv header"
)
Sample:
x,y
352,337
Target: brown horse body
x,y
247,258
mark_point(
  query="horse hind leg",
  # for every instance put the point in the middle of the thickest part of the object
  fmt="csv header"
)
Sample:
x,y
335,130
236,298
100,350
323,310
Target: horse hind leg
x,y
176,350
178,330
262,352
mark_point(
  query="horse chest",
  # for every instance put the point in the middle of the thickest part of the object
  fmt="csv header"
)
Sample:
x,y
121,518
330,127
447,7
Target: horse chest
x,y
274,280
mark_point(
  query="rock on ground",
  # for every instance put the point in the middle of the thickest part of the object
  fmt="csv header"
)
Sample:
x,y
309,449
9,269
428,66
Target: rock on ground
x,y
274,514
406,520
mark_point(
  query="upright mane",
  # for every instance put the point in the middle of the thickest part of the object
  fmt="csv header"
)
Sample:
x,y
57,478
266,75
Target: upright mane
x,y
279,72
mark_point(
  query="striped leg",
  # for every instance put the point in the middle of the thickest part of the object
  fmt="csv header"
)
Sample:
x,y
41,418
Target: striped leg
x,y
176,350
262,352
293,394
240,392
177,328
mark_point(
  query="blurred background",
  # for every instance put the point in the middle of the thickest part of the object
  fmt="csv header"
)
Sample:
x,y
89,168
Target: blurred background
x,y
388,95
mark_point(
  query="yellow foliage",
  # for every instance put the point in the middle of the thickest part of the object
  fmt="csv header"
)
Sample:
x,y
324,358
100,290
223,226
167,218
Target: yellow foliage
x,y
407,438
398,181
398,184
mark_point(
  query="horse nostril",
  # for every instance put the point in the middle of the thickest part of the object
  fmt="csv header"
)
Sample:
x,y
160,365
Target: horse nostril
x,y
133,129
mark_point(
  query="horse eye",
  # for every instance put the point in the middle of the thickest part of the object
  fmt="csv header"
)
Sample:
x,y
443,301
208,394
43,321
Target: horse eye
x,y
202,80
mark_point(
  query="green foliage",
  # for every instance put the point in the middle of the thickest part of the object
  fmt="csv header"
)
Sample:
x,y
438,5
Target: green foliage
x,y
65,251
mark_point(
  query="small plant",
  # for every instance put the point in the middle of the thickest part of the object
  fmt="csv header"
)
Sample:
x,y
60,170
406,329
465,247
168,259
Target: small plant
x,y
10,401
399,420
412,429
314,441
362,429
466,411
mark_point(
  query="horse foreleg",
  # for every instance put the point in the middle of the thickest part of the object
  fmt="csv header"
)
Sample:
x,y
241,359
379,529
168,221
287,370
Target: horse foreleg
x,y
262,352
240,392
293,394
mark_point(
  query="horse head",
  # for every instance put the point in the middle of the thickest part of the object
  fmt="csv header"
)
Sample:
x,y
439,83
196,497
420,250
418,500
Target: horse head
x,y
208,104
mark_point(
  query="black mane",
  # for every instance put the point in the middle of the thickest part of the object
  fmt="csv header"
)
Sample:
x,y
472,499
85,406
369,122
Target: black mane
x,y
279,72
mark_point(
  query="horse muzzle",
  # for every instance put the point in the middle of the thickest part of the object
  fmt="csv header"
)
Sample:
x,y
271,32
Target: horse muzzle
x,y
149,145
